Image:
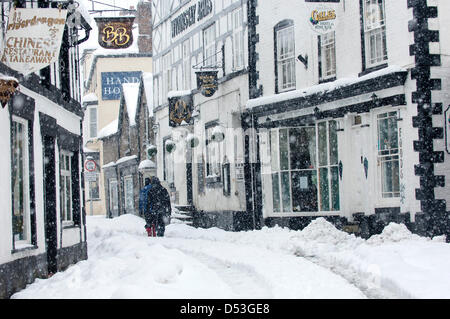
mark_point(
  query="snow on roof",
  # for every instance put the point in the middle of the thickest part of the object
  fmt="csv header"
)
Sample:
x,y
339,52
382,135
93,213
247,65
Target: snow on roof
x,y
109,129
126,159
172,94
88,150
147,78
91,97
111,164
131,95
147,164
321,88
8,78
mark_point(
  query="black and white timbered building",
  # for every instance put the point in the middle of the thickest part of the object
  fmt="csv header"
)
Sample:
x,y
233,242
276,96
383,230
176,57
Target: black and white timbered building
x,y
42,221
204,174
350,103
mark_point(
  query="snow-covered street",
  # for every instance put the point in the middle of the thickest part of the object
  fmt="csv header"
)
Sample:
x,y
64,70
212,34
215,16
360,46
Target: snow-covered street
x,y
189,263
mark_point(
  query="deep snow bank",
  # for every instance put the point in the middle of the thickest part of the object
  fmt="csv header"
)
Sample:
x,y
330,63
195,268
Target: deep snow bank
x,y
397,262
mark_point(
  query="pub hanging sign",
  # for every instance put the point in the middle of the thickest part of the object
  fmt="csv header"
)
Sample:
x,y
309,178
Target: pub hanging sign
x,y
115,32
8,86
207,82
180,110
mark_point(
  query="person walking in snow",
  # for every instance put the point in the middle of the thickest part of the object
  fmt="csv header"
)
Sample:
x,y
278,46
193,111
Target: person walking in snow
x,y
144,207
160,207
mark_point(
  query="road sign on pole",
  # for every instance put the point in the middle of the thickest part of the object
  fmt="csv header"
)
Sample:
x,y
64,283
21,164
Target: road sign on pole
x,y
90,165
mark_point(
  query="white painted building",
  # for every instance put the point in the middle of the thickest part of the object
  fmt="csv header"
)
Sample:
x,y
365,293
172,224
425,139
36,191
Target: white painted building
x,y
349,109
42,223
189,37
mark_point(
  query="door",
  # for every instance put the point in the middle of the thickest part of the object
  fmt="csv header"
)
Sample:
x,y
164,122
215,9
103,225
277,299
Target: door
x,y
113,198
50,203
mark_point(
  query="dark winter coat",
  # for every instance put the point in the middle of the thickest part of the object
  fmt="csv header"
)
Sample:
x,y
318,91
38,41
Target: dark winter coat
x,y
159,200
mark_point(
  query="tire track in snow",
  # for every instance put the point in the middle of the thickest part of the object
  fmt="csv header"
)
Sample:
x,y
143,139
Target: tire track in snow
x,y
365,284
241,274
241,278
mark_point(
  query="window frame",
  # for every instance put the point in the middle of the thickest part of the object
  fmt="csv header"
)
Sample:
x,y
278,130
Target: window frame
x,y
378,30
237,20
168,164
93,123
127,199
324,48
112,208
213,155
65,174
392,152
28,241
286,26
187,68
276,170
209,49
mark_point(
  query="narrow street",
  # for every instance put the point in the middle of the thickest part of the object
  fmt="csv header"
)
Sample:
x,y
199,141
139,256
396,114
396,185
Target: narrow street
x,y
187,263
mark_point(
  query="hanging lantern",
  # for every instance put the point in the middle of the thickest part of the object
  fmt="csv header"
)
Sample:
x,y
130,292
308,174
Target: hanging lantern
x,y
151,151
217,134
170,146
192,141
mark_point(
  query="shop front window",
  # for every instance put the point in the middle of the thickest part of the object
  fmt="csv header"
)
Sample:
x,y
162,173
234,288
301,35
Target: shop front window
x,y
304,168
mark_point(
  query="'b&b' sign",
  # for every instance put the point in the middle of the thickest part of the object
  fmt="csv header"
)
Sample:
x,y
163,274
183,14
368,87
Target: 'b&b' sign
x,y
115,32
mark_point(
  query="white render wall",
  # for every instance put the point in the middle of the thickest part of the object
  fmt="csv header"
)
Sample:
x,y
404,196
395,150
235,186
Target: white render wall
x,y
348,39
358,194
66,237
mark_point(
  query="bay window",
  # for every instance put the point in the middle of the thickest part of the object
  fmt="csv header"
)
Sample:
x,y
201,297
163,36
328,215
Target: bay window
x,y
304,169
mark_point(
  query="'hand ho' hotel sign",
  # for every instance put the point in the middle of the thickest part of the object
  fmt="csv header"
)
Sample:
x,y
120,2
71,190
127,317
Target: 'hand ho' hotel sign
x,y
112,83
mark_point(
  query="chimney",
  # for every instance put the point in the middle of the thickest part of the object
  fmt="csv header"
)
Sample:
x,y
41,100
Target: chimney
x,y
144,20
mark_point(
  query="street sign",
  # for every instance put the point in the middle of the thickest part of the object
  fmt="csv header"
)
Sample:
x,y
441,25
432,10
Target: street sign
x,y
90,176
90,166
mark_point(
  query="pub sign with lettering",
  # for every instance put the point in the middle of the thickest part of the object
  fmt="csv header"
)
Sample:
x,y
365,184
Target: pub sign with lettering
x,y
207,82
115,32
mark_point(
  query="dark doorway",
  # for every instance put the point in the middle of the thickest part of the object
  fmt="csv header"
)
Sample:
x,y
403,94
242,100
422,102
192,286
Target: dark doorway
x,y
50,203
